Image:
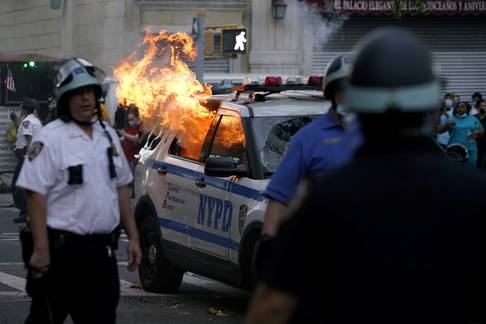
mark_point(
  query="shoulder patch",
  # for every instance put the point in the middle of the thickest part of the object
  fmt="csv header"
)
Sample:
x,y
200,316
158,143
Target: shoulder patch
x,y
25,124
332,140
34,150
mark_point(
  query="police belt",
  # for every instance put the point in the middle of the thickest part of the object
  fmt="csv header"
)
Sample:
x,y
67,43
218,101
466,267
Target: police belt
x,y
60,238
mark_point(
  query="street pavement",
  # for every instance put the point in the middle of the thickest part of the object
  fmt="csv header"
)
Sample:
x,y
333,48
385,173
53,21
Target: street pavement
x,y
199,300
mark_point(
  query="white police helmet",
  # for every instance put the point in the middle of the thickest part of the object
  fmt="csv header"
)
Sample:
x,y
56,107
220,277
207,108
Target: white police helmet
x,y
392,70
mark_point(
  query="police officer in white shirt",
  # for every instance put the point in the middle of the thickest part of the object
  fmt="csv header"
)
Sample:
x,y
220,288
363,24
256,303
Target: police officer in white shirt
x,y
28,128
76,178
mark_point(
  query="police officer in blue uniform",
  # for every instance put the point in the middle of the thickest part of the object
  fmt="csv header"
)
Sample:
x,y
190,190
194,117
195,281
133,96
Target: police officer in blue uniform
x,y
77,178
397,234
315,150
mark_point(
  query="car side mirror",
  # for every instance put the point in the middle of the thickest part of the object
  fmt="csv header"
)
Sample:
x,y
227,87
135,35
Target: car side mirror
x,y
225,166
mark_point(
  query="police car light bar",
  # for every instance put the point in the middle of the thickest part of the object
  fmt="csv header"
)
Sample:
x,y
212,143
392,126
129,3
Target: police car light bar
x,y
273,84
279,88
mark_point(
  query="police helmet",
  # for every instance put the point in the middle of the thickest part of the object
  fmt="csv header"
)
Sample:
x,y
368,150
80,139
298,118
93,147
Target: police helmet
x,y
392,71
337,70
74,74
29,105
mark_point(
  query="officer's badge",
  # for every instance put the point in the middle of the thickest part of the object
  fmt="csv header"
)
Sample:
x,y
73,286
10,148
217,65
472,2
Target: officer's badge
x,y
25,124
332,140
34,149
114,150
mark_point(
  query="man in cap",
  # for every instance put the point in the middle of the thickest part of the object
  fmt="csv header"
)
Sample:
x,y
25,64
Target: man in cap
x,y
374,241
28,128
76,178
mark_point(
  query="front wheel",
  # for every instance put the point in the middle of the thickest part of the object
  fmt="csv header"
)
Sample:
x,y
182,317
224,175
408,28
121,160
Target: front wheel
x,y
156,273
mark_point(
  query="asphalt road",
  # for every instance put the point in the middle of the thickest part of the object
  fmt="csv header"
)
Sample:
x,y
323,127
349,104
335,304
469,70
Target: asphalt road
x,y
197,301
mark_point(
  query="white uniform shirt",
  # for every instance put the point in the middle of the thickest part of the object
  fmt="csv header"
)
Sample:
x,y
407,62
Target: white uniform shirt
x,y
87,208
31,125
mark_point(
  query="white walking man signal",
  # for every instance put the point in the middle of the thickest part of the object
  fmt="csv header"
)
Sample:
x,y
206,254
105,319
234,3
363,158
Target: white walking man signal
x,y
240,42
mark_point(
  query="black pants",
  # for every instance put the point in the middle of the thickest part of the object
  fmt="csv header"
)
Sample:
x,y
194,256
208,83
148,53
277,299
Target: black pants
x,y
19,193
82,281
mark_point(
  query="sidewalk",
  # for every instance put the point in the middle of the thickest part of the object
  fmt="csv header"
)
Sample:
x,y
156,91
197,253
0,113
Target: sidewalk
x,y
6,200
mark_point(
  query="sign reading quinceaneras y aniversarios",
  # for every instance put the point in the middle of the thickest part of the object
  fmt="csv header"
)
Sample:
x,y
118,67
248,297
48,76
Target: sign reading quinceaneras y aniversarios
x,y
432,7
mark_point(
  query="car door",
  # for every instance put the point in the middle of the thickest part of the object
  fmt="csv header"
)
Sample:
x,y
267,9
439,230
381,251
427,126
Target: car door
x,y
215,210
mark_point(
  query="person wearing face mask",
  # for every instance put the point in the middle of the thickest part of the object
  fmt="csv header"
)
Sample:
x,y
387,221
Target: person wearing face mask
x,y
130,136
448,103
464,129
481,141
475,103
315,150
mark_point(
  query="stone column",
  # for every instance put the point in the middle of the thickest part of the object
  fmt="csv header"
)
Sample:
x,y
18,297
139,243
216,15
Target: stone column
x,y
113,34
277,43
67,26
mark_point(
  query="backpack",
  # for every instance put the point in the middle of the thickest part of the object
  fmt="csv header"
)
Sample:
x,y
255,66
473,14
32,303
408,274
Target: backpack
x,y
11,133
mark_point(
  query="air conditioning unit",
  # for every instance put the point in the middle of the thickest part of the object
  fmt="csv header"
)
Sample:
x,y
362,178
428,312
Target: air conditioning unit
x,y
212,44
55,4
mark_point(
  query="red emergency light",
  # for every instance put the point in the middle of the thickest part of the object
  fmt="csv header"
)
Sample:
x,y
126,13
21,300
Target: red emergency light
x,y
272,81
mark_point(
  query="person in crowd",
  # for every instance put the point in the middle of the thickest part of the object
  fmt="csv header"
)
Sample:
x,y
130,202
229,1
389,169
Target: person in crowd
x,y
121,117
373,241
130,136
464,129
29,127
481,141
443,138
76,179
476,100
448,96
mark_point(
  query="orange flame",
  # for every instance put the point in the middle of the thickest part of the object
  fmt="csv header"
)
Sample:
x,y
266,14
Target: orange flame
x,y
164,89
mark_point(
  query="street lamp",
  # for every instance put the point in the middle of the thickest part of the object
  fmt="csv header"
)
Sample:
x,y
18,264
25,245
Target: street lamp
x,y
278,9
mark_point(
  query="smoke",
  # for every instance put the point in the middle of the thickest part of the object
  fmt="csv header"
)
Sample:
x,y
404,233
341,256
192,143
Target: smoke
x,y
324,21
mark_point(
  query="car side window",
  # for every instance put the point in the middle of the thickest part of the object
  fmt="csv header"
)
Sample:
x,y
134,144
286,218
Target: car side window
x,y
230,140
179,148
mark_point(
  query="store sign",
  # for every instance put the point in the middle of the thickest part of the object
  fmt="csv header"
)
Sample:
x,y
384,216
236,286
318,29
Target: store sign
x,y
431,7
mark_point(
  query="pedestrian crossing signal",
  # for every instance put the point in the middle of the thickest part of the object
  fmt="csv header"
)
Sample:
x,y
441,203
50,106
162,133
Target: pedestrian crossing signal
x,y
235,41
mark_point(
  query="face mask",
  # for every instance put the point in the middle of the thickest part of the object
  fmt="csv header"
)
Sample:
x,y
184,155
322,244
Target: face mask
x,y
341,111
448,102
133,123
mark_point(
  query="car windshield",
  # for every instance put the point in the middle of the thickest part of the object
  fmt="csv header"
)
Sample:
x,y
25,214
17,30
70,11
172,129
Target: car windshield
x,y
272,136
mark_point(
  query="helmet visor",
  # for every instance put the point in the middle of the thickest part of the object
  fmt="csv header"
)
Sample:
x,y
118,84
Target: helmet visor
x,y
74,67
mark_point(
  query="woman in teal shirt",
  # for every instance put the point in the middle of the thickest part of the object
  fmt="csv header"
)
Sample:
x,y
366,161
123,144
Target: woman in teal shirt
x,y
464,129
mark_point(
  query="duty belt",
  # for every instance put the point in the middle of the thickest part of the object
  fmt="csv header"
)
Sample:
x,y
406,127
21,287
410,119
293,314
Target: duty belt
x,y
59,238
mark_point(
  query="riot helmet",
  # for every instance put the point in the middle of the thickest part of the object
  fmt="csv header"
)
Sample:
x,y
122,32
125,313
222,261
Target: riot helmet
x,y
336,71
392,71
72,75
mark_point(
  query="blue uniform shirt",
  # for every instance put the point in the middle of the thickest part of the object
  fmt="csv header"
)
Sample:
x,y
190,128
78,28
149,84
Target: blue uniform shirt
x,y
314,150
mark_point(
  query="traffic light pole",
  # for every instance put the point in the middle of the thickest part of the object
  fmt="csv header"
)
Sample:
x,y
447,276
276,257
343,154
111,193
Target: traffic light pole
x,y
201,15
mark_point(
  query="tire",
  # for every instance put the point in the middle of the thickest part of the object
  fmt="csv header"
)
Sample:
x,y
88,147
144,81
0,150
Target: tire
x,y
156,273
249,254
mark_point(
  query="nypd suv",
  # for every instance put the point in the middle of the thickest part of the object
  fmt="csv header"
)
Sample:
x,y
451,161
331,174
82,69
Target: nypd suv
x,y
205,214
